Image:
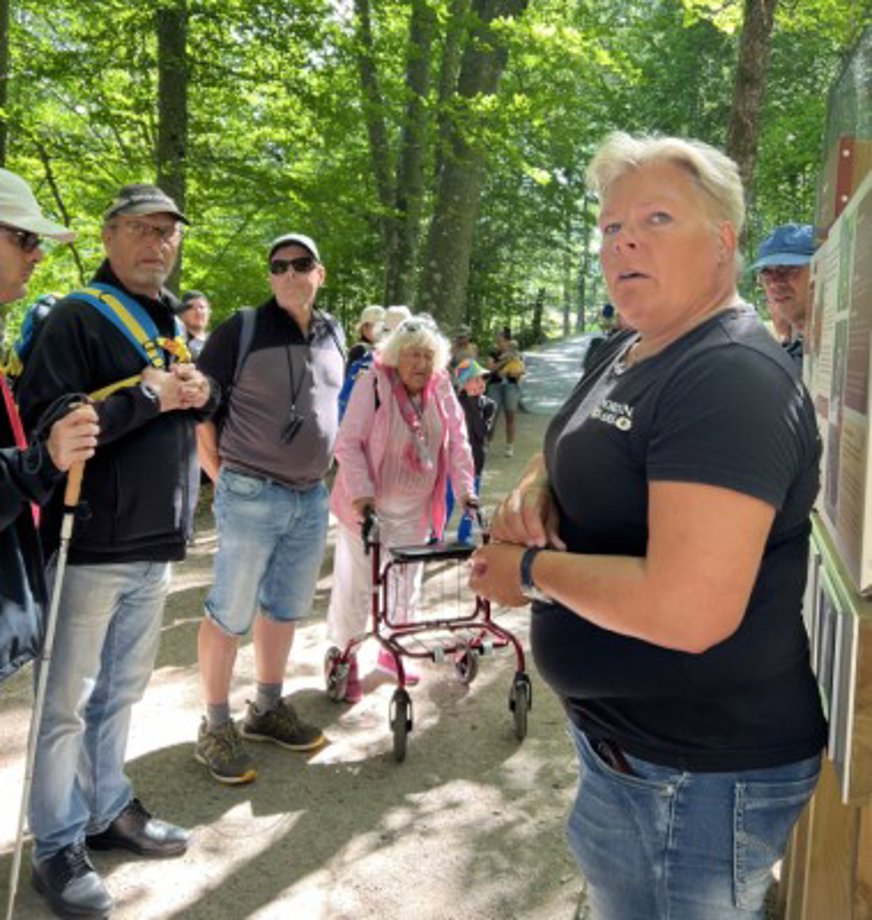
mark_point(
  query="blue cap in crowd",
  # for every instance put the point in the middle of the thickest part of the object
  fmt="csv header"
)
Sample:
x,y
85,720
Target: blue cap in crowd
x,y
467,370
789,244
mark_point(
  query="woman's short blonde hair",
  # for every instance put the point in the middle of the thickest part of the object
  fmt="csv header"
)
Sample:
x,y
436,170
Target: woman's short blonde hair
x,y
418,331
716,175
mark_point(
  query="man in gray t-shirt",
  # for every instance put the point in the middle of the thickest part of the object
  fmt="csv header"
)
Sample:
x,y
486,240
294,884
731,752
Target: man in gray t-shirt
x,y
268,456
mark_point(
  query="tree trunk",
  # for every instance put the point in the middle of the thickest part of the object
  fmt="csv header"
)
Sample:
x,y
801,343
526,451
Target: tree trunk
x,y
445,272
755,46
584,266
449,70
5,64
172,132
373,112
400,284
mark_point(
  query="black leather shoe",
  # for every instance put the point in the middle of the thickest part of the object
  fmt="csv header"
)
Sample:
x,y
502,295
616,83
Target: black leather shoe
x,y
71,885
134,829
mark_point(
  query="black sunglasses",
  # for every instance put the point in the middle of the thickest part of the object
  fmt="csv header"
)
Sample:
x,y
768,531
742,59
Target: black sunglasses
x,y
302,265
25,240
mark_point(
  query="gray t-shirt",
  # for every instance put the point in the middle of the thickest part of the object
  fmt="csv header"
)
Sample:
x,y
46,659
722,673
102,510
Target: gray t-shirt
x,y
286,375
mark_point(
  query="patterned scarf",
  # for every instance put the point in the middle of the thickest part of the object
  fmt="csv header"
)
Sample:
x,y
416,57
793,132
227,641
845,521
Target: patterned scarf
x,y
417,453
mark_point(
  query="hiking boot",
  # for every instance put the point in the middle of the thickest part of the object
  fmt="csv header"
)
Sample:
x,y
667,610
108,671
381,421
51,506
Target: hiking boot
x,y
69,882
387,665
353,689
220,750
510,450
282,726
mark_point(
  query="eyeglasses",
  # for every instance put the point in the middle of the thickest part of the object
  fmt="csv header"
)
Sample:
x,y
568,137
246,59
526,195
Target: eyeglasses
x,y
139,230
775,273
302,265
25,240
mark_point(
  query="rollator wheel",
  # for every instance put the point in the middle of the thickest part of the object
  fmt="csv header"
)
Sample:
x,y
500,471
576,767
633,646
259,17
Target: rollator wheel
x,y
401,722
335,674
520,702
466,666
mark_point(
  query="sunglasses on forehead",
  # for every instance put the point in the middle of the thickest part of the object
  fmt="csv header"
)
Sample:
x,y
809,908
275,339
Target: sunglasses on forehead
x,y
302,265
24,239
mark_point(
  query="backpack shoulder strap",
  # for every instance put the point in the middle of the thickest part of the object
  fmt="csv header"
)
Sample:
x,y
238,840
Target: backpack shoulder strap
x,y
129,317
246,337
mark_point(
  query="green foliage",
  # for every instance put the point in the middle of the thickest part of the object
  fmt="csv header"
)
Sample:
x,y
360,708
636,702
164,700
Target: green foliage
x,y
277,136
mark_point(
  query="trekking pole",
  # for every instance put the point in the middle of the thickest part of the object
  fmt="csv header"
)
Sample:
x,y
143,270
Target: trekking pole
x,y
71,500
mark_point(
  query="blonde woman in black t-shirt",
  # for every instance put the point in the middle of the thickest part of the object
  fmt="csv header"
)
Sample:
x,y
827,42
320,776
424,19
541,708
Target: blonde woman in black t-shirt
x,y
663,536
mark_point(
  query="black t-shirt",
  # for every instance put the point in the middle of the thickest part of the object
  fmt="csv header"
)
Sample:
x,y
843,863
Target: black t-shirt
x,y
721,406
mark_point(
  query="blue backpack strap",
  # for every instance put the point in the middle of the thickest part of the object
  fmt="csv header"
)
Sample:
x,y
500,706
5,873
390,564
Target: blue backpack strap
x,y
129,317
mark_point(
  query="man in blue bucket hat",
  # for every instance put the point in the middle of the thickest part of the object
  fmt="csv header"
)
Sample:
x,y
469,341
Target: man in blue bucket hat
x,y
782,268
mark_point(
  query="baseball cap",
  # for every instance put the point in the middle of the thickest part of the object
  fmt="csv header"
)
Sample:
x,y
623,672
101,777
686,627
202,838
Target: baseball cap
x,y
299,238
462,332
467,370
140,200
372,314
20,209
789,244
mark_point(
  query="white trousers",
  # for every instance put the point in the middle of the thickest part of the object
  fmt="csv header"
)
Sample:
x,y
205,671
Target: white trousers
x,y
350,613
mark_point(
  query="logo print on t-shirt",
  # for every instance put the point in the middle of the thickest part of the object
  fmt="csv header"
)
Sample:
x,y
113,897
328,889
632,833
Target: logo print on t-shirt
x,y
614,413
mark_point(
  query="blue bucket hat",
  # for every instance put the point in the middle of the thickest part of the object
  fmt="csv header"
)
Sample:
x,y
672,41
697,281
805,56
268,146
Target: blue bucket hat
x,y
789,244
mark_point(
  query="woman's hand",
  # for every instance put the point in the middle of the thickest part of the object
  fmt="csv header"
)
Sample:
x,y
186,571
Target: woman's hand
x,y
496,574
73,438
527,515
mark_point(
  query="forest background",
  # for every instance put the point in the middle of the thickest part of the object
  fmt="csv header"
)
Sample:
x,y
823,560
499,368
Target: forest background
x,y
435,149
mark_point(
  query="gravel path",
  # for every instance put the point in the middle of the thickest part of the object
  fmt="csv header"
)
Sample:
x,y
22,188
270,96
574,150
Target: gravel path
x,y
469,827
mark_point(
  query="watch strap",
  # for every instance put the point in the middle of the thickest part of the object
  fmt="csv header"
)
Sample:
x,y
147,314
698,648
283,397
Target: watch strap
x,y
528,586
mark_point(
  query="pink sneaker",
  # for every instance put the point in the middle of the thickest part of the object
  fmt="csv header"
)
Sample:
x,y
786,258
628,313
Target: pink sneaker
x,y
353,689
387,665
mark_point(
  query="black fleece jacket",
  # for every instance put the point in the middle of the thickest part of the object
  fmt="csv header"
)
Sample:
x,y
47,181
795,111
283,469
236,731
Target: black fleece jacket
x,y
25,476
140,489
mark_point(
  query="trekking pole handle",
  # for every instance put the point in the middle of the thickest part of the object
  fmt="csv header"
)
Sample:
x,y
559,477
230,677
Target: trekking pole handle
x,y
71,497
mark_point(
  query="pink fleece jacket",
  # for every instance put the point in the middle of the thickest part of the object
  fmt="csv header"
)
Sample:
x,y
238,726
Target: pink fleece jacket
x,y
363,436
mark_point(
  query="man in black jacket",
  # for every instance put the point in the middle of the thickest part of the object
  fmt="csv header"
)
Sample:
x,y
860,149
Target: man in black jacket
x,y
28,470
139,491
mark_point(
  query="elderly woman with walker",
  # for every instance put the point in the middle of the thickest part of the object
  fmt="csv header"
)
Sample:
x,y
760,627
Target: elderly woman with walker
x,y
662,535
402,437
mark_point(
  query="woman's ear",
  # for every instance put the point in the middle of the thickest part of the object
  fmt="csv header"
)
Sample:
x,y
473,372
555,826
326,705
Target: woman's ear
x,y
727,241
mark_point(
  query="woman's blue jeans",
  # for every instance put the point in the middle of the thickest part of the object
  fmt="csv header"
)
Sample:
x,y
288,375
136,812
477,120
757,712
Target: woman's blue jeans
x,y
671,845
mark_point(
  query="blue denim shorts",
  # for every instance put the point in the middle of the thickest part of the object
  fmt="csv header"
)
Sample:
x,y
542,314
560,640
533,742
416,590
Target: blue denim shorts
x,y
271,540
668,843
506,394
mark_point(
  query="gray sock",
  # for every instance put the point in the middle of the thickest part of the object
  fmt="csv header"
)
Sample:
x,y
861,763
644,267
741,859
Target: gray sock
x,y
217,714
268,696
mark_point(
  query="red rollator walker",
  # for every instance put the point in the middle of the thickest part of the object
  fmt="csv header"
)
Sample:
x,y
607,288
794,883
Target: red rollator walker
x,y
463,639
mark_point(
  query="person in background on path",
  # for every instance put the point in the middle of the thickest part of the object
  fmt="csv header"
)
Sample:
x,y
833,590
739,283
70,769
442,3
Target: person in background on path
x,y
29,468
479,411
783,269
401,438
369,329
610,324
663,538
140,489
462,347
271,505
506,367
393,317
195,313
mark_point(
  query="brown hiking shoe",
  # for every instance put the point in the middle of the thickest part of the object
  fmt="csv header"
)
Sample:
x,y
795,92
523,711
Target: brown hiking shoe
x,y
220,751
283,726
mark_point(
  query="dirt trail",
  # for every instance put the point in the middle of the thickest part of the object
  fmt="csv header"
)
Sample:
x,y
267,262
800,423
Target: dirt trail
x,y
469,827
